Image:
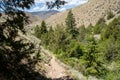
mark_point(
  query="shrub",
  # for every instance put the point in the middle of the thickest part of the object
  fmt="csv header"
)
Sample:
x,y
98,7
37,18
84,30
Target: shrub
x,y
110,15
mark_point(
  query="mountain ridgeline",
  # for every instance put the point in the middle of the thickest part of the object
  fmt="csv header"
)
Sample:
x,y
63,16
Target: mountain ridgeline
x,y
45,14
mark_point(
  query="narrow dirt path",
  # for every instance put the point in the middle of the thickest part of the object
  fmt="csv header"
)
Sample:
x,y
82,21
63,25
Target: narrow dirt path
x,y
57,69
54,69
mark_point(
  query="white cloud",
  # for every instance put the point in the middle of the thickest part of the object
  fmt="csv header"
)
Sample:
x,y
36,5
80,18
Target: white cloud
x,y
71,4
41,1
36,8
62,9
43,8
40,5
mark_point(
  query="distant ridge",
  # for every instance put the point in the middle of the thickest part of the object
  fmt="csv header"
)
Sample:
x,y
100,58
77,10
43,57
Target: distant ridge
x,y
45,14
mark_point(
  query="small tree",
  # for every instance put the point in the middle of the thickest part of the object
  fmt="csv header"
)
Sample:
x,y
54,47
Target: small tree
x,y
43,28
93,65
110,15
99,27
40,31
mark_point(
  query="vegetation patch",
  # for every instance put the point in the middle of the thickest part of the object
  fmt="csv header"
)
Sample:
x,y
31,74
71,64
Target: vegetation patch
x,y
79,49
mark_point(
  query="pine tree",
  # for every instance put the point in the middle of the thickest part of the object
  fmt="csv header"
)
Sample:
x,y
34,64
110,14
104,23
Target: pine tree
x,y
40,31
71,25
70,20
43,28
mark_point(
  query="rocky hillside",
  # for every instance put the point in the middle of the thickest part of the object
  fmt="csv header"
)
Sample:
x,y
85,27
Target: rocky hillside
x,y
87,13
34,20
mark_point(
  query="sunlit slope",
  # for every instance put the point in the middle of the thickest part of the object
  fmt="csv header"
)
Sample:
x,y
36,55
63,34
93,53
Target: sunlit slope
x,y
87,13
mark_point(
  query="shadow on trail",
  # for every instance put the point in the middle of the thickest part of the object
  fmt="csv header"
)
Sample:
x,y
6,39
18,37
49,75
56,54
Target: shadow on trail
x,y
22,72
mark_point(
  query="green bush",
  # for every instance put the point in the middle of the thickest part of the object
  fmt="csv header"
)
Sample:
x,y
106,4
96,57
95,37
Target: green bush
x,y
91,71
98,28
113,75
110,15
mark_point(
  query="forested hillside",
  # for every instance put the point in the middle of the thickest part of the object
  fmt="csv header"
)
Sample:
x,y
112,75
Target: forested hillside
x,y
81,44
93,50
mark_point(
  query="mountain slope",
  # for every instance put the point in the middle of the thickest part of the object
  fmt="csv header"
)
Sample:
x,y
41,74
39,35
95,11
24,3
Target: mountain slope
x,y
34,20
36,17
87,13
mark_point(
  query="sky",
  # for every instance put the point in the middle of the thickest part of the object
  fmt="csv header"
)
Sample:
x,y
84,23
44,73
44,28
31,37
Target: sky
x,y
40,5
